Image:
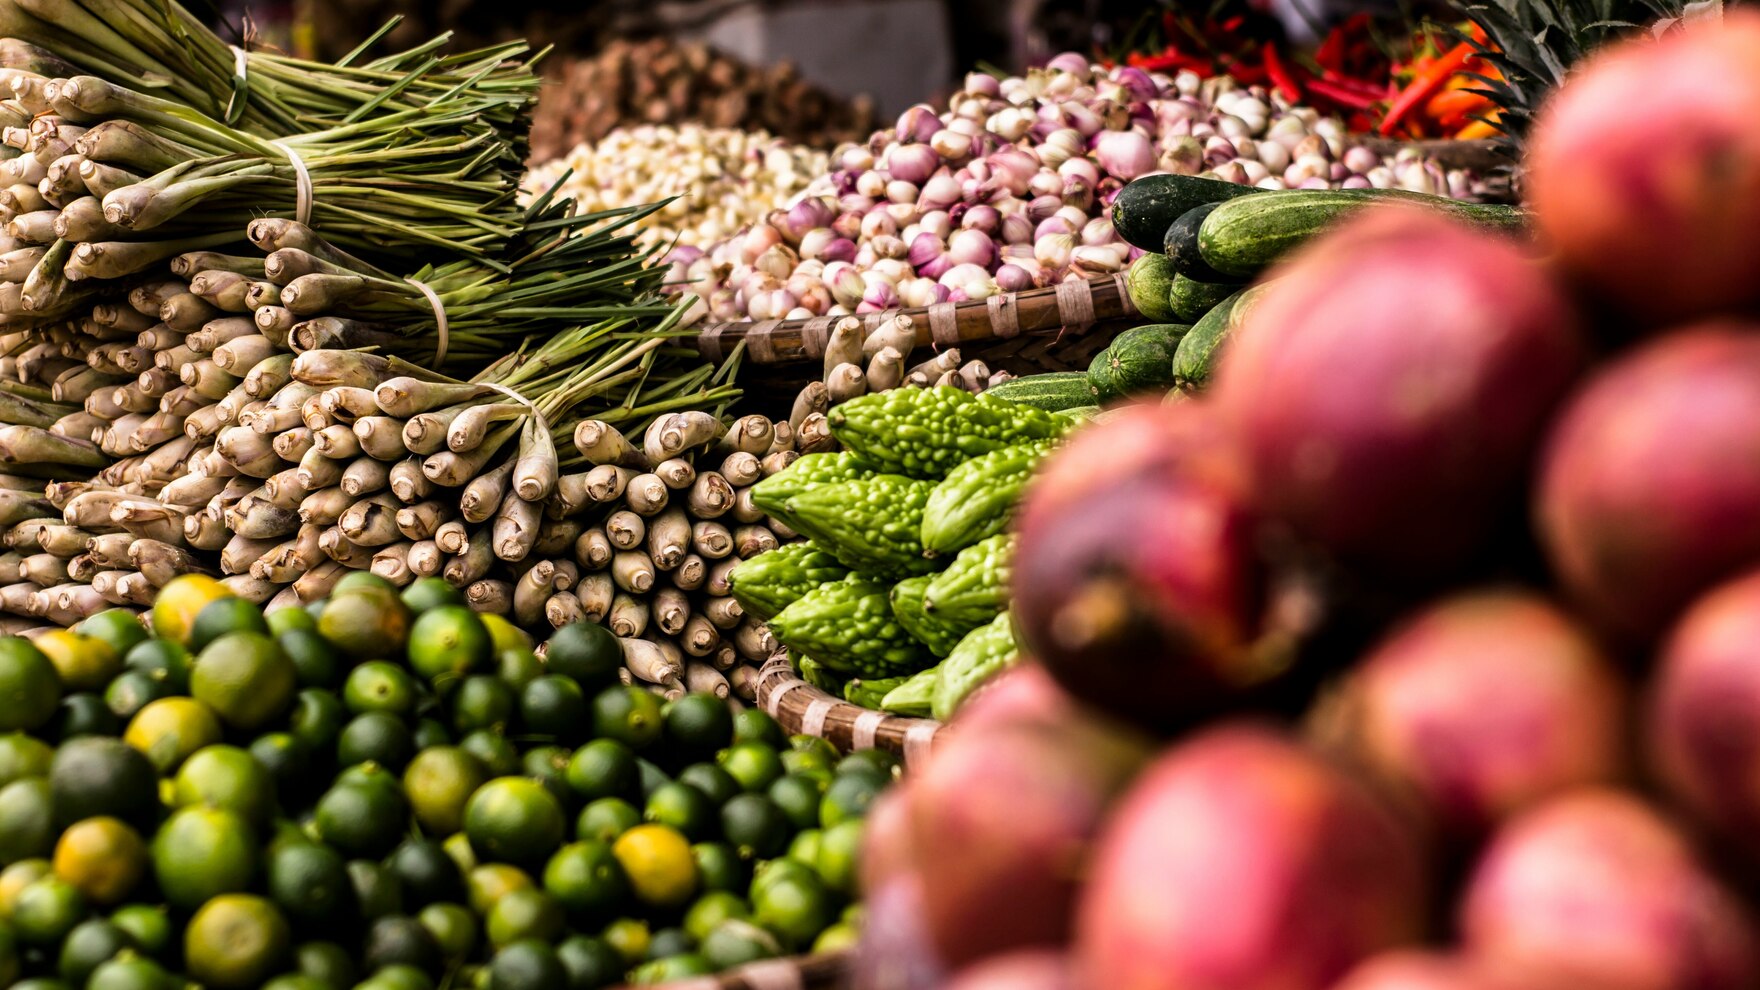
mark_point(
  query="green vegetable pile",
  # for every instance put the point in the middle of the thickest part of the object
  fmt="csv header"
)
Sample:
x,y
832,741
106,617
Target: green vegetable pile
x,y
898,599
385,790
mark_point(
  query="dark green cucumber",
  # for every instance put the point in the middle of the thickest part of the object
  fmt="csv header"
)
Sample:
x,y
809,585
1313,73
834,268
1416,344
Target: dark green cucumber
x,y
1243,237
1181,247
1191,299
1145,207
1204,346
1138,361
1052,391
1150,281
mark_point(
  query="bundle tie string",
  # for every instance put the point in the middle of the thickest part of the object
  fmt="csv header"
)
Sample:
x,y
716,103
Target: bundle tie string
x,y
439,322
302,177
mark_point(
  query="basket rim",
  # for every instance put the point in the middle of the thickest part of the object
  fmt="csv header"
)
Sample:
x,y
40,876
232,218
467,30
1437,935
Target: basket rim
x,y
804,709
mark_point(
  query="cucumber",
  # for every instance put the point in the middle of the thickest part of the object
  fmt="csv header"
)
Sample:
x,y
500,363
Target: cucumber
x,y
1204,346
1144,208
1053,391
1150,282
1191,299
1245,236
1138,361
1181,247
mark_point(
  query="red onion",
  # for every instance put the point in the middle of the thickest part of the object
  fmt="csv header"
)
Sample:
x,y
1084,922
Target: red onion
x,y
778,261
1074,63
1051,226
913,163
878,222
1045,184
758,240
1042,208
1013,278
984,218
880,296
940,192
952,145
918,123
1099,231
683,253
840,249
887,246
937,222
972,247
1080,168
1138,83
856,159
1017,229
872,184
1014,169
902,192
982,82
845,283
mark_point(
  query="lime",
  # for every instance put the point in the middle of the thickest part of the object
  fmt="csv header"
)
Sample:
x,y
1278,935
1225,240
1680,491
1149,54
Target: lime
x,y
147,926
838,856
379,686
286,620
96,776
710,910
438,782
669,942
377,893
548,765
83,714
295,981
798,796
653,778
315,663
527,965
554,706
586,652
590,962
23,756
102,857
379,737
426,872
605,819
117,628
399,941
355,580
91,944
245,677
308,880
203,852
736,942
670,969
29,687
814,746
46,910
699,724
684,808
794,904
17,877
361,820
425,594
518,666
449,641
755,765
81,662
458,846
130,692
709,778
325,961
628,714
513,819
481,702
170,729
754,725
628,937
27,820
755,826
585,877
129,972
499,756
368,774
453,927
365,622
317,719
222,616
491,882
658,862
523,914
226,777
235,941
284,758
504,635
431,732
720,867
878,762
176,605
804,848
604,768
397,977
848,798
162,660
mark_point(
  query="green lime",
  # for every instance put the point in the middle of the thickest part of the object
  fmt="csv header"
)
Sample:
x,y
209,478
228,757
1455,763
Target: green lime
x,y
699,724
89,945
803,743
438,782
129,972
604,768
366,623
368,774
669,942
755,765
162,660
670,969
514,820
754,725
736,942
586,878
628,937
684,808
147,925
586,652
118,628
29,686
308,880
354,580
721,868
27,820
177,603
170,729
458,846
523,914
454,928
848,798
81,662
317,719
17,877
102,857
838,856
590,962
245,677
431,732
23,756
96,776
226,777
796,906
876,761
377,894
46,910
658,862
203,852
548,765
295,981
379,737
284,758
130,692
428,593
711,780
236,941
325,961
755,826
798,796
527,965
42,983
285,620
400,941
449,641
315,663
427,873
628,714
481,702
554,706
605,819
84,714
518,666
490,882
494,751
379,686
804,848
361,820
711,909
504,635
223,616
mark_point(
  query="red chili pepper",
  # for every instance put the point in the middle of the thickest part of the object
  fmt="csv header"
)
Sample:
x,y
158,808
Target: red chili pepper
x,y
1424,85
1340,81
1342,95
1281,76
1328,55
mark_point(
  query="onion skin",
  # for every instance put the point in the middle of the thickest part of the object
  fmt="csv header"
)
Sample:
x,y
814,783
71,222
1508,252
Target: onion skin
x,y
1650,487
1661,229
1704,721
1390,388
1241,861
1596,889
1030,969
1483,704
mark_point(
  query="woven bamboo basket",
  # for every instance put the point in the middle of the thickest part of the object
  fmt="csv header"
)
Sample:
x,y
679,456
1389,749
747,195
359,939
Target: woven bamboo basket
x,y
1049,329
819,972
803,709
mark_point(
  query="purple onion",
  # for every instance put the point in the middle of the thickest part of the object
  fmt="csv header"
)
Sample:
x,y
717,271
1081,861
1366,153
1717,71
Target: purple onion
x,y
926,247
849,224
983,83
1099,231
1072,62
1126,154
1041,208
1138,83
1052,226
879,297
918,123
913,163
1013,169
856,159
1339,172
683,254
981,217
1045,183
1017,229
840,249
1013,278
937,222
877,222
886,246
1077,193
810,213
940,192
971,247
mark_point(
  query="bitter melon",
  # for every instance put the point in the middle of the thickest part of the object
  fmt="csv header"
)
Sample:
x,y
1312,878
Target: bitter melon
x,y
976,500
915,697
907,608
974,587
772,581
927,432
806,473
849,627
874,525
984,653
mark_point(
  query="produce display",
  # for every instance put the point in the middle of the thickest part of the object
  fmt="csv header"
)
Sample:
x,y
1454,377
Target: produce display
x,y
1417,649
385,790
